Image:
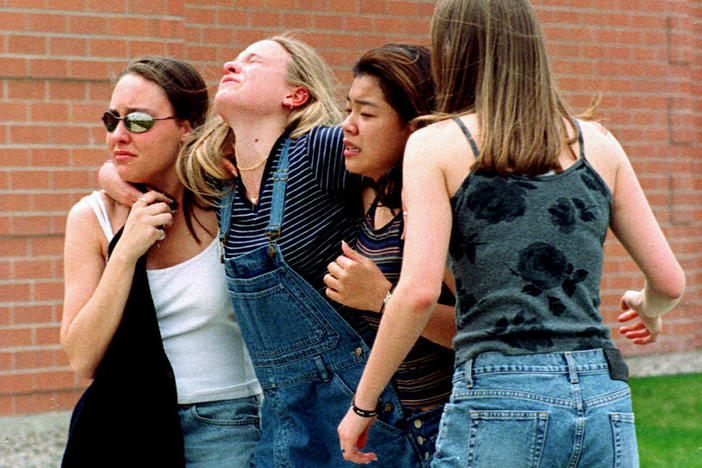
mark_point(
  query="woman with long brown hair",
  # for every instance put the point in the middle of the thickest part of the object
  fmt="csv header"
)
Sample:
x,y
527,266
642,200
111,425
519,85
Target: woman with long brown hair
x,y
520,194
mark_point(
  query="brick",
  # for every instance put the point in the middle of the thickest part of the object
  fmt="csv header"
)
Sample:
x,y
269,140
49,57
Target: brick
x,y
68,46
13,21
26,90
60,90
15,66
126,25
12,247
31,225
15,337
87,69
55,381
49,112
16,383
48,291
89,24
14,202
70,5
34,314
33,269
50,157
145,8
29,179
34,403
138,48
25,44
107,48
13,157
266,19
48,336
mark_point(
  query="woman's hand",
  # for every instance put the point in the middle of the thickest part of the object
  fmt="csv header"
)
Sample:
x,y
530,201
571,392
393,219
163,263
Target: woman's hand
x,y
356,281
146,224
353,435
110,181
646,329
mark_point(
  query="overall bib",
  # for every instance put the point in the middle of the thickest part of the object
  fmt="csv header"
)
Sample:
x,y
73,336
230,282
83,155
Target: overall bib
x,y
307,358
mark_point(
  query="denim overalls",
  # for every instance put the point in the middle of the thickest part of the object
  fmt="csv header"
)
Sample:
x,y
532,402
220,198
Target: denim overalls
x,y
307,358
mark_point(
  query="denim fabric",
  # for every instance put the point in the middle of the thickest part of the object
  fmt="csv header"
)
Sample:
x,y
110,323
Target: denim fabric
x,y
220,434
307,360
540,410
424,426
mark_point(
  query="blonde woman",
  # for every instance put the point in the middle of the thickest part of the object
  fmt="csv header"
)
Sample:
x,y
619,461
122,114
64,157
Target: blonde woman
x,y
520,196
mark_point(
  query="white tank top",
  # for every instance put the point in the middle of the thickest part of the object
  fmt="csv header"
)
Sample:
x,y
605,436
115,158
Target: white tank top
x,y
200,333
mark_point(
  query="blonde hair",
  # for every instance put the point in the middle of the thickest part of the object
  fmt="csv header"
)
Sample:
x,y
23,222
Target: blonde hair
x,y
200,159
489,57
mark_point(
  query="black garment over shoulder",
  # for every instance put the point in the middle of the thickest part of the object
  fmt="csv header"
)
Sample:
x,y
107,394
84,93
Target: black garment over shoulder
x,y
128,416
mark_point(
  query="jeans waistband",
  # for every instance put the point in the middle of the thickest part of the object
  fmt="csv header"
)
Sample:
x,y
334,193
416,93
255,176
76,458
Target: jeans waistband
x,y
571,363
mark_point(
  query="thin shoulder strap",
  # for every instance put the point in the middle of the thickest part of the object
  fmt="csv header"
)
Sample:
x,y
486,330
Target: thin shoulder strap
x,y
466,132
96,202
581,141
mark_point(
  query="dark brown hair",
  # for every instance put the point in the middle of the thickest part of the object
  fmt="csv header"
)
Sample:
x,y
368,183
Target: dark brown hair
x,y
404,74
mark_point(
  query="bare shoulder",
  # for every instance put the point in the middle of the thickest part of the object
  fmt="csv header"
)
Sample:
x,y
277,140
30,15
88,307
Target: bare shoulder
x,y
600,143
83,228
443,139
603,152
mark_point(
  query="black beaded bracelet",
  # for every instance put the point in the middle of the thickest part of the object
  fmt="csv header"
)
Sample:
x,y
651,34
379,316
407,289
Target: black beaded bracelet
x,y
364,413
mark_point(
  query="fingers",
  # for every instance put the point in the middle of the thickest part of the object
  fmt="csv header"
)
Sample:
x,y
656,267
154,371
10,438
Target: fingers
x,y
353,434
229,167
152,196
631,300
351,253
335,270
628,315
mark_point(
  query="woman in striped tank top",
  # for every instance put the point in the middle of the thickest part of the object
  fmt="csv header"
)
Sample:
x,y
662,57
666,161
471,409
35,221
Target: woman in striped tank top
x,y
392,85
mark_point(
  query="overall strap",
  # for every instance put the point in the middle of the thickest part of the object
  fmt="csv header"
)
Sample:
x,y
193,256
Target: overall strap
x,y
466,132
280,179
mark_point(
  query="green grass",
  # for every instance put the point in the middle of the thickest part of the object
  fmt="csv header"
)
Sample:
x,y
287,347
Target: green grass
x,y
668,420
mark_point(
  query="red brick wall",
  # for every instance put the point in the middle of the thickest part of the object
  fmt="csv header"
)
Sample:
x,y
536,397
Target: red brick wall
x,y
56,58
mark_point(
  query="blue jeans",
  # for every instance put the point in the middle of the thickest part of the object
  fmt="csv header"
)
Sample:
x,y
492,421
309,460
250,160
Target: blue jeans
x,y
540,410
220,434
424,427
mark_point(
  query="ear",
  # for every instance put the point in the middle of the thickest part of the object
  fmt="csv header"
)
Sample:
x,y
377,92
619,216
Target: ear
x,y
187,130
298,97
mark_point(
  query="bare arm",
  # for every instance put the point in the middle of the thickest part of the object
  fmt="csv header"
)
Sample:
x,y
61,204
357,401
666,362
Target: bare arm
x,y
357,282
423,268
96,292
123,192
635,226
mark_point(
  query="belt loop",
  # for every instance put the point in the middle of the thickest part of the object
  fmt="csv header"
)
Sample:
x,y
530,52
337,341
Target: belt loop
x,y
468,369
323,373
572,368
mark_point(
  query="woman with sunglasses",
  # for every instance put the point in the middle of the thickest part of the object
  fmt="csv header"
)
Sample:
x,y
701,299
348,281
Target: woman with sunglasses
x,y
146,313
520,196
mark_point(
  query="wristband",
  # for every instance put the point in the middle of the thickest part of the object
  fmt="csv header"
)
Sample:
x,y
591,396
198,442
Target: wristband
x,y
385,301
364,413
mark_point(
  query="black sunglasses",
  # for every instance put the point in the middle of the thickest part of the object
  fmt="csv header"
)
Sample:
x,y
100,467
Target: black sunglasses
x,y
137,122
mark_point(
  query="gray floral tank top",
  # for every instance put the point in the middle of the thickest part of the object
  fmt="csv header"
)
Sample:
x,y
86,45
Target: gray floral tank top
x,y
527,256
